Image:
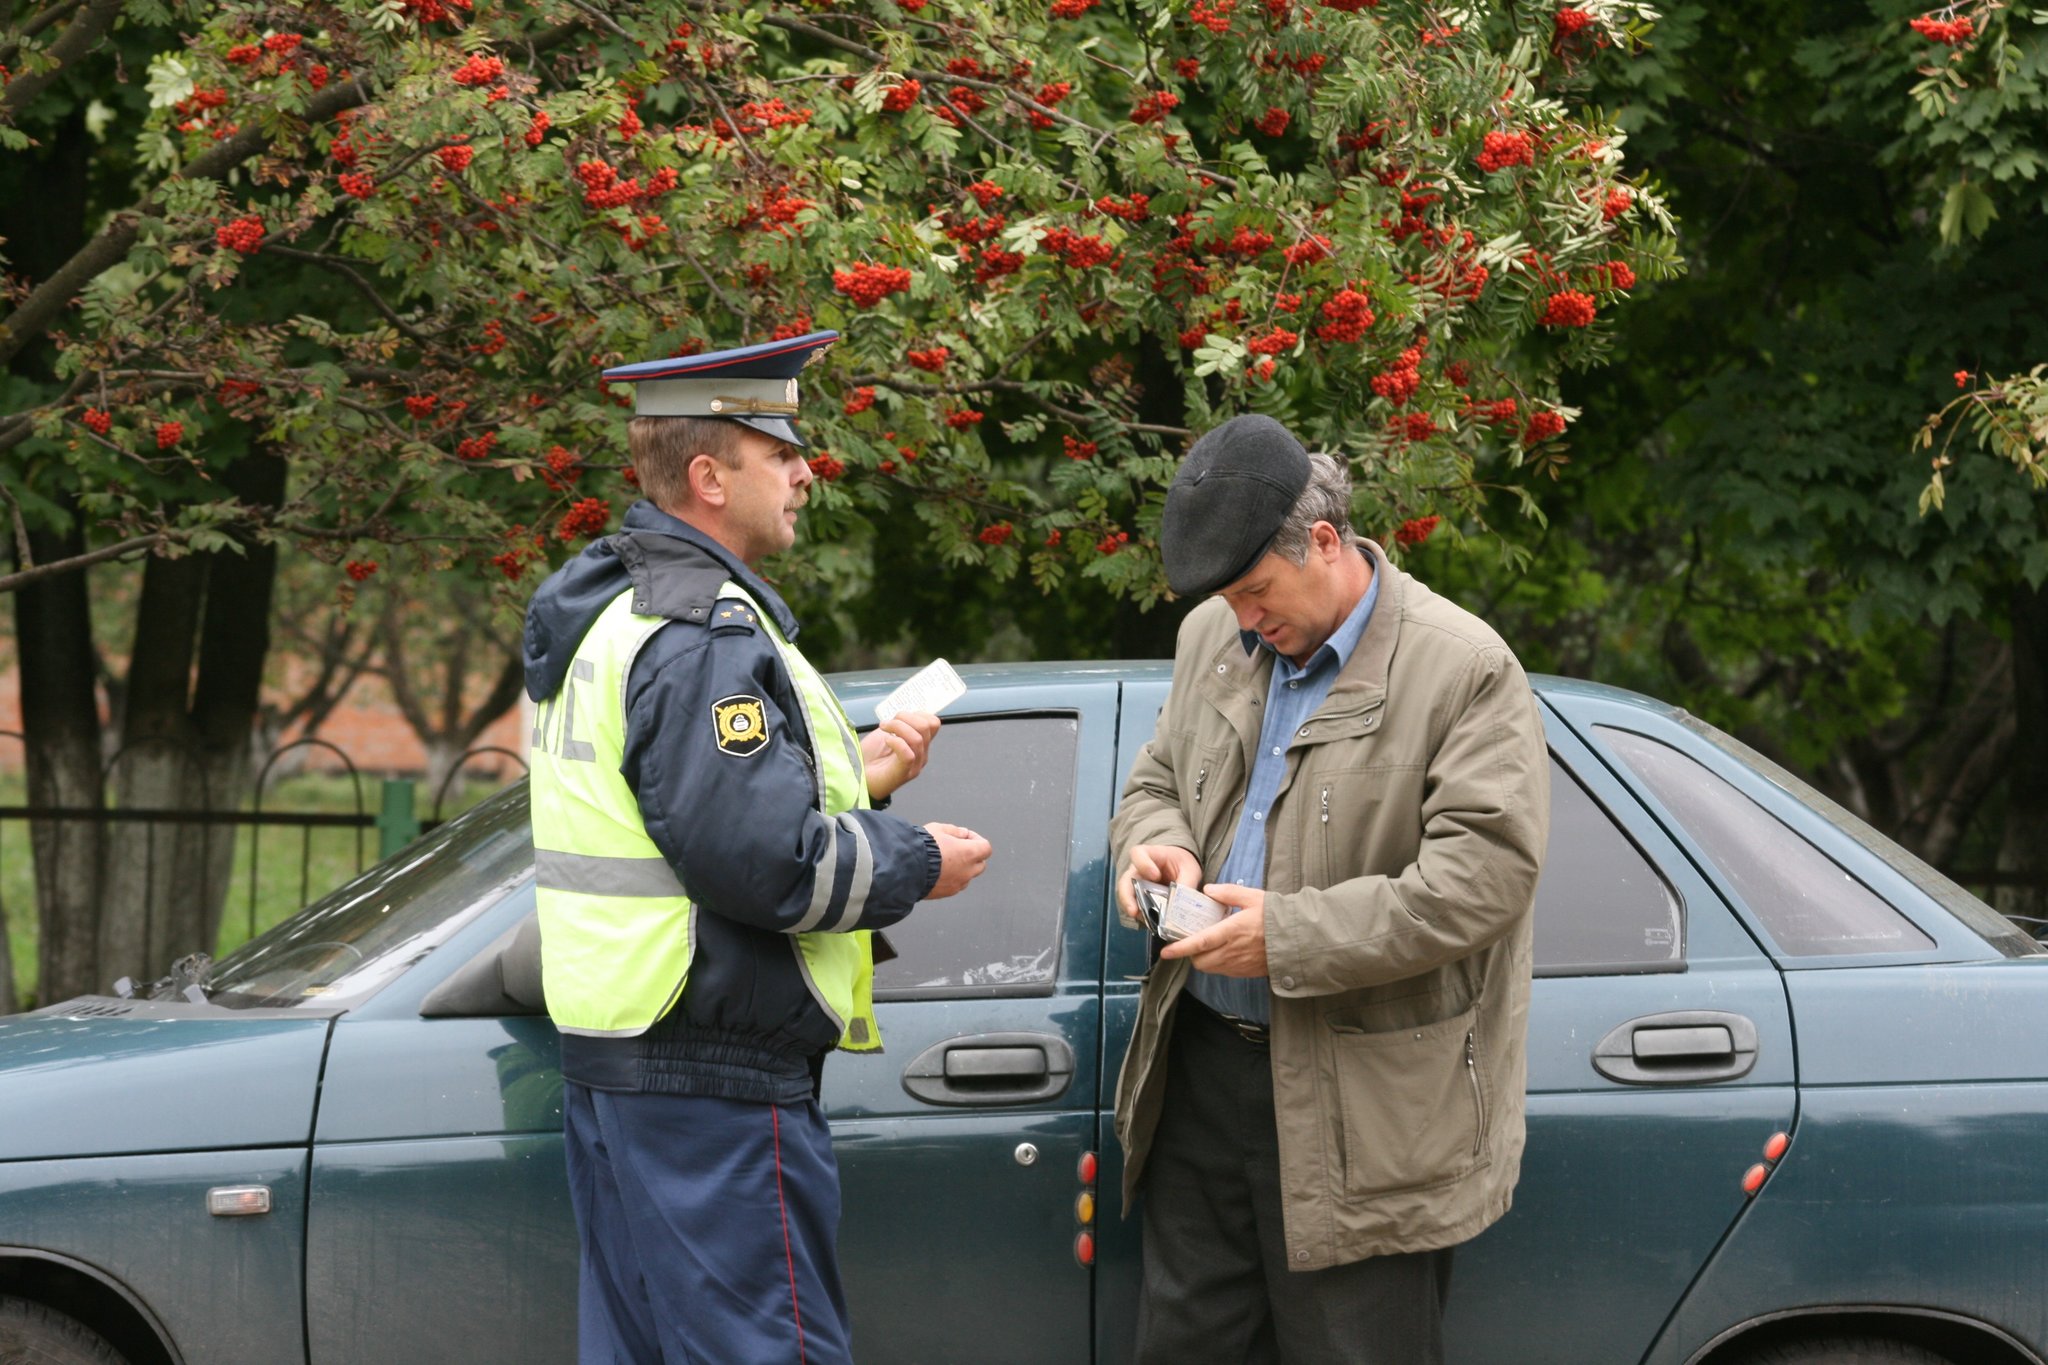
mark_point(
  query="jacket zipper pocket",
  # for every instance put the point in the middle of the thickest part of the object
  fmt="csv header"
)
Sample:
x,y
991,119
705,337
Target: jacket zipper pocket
x,y
1200,778
1478,1103
1326,805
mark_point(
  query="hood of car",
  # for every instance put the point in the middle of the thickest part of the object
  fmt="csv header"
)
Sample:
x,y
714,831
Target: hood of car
x,y
102,1077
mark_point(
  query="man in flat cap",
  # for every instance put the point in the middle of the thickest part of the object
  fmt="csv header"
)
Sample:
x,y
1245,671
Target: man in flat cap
x,y
709,874
1323,1093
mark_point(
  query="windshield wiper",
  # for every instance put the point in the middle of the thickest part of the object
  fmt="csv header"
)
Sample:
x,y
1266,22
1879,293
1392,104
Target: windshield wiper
x,y
186,981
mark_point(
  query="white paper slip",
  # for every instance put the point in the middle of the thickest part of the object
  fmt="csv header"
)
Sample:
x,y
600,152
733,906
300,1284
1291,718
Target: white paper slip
x,y
1176,911
931,689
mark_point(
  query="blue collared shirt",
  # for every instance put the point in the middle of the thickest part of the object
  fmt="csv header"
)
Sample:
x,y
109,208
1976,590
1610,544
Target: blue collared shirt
x,y
1293,695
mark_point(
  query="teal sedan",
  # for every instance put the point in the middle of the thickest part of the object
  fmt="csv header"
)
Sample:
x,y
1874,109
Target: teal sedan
x,y
1788,1090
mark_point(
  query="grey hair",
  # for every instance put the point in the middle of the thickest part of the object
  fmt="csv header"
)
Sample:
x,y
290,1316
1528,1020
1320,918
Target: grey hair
x,y
1326,498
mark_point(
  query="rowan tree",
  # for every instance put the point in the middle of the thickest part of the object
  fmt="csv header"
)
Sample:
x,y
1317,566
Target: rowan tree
x,y
377,251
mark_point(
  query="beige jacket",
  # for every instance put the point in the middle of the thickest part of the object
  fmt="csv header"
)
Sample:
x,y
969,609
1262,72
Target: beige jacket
x,y
1401,865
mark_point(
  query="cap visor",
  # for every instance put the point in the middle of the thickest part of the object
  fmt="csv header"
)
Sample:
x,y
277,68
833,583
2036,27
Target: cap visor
x,y
779,427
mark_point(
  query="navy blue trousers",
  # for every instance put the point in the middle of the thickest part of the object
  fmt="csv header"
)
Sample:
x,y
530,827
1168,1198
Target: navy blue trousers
x,y
709,1231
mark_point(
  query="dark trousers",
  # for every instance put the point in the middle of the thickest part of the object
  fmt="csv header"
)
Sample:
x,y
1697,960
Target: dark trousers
x,y
1216,1283
709,1231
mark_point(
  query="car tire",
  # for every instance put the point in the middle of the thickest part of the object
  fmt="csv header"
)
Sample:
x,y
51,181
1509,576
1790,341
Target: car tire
x,y
1842,1351
35,1335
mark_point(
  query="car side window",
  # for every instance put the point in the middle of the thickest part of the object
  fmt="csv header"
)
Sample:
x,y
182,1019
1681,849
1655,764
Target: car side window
x,y
1602,907
1010,779
1807,902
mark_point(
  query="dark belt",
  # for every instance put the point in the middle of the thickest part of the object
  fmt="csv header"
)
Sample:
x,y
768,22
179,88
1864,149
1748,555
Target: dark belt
x,y
1249,1030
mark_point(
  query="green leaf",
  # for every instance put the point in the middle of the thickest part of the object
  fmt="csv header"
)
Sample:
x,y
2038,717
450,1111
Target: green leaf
x,y
1967,211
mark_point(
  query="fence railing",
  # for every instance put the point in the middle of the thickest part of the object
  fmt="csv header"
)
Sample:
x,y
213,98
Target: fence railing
x,y
277,805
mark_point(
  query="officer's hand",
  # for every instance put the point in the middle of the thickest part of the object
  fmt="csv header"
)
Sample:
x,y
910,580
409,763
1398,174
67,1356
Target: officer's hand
x,y
962,856
895,751
1236,947
1154,863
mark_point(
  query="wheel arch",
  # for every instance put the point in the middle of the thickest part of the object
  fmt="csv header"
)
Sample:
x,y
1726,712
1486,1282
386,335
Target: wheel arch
x,y
91,1296
1954,1335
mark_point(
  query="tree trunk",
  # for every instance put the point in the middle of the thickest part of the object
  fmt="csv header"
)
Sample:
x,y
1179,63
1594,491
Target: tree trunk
x,y
2024,851
60,717
185,741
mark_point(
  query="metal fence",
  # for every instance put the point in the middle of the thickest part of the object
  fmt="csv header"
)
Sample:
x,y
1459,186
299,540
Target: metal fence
x,y
378,831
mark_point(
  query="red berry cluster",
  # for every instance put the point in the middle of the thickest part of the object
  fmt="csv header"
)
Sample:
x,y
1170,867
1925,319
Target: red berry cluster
x,y
1398,383
1302,253
316,75
997,533
1568,308
1502,150
563,469
244,235
1949,32
1416,426
1345,317
1571,21
798,326
931,361
1077,251
360,569
356,184
996,263
861,400
1273,342
602,188
1542,426
825,467
1618,203
476,447
478,70
1613,275
1213,16
1274,121
232,390
1078,450
964,418
1287,303
1416,530
1112,542
1500,413
1136,209
1962,382
1188,68
243,53
630,125
421,405
283,42
169,434
494,338
98,420
1154,108
1350,6
1072,9
537,129
868,284
433,12
456,158
586,518
985,193
901,96
1050,96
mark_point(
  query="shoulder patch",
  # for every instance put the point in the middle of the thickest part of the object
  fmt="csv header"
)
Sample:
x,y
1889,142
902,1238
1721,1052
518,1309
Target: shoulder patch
x,y
741,723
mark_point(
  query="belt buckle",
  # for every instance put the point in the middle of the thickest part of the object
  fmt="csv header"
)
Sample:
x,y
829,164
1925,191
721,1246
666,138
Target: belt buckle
x,y
1259,1034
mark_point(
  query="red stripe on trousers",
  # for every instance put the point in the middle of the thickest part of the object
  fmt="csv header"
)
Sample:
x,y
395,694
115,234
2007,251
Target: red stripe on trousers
x,y
788,1256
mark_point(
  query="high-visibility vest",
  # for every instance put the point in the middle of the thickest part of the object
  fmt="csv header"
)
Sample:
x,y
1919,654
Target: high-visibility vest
x,y
617,929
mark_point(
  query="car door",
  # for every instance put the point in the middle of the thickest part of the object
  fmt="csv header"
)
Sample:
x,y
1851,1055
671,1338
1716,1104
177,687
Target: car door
x,y
439,1228
960,1144
1660,1064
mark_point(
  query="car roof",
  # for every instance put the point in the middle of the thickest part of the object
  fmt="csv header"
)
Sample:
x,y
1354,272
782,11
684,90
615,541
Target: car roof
x,y
863,684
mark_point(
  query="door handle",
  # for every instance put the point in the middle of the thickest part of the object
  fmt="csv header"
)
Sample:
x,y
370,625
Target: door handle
x,y
1680,1047
980,1069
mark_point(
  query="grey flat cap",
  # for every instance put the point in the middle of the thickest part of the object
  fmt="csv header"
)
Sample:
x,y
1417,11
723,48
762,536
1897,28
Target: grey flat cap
x,y
1227,503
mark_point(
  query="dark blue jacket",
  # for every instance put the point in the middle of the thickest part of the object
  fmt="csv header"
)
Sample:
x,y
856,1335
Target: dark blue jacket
x,y
744,834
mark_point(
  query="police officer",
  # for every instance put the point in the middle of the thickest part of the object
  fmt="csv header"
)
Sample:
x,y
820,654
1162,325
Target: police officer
x,y
711,872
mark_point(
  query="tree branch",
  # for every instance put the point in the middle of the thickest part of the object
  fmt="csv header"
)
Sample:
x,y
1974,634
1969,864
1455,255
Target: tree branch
x,y
58,567
80,36
369,291
35,26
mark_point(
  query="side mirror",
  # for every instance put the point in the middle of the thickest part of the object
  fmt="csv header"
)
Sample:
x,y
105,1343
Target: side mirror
x,y
503,979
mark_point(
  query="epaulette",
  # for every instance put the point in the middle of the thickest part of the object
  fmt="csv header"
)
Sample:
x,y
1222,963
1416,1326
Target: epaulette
x,y
671,577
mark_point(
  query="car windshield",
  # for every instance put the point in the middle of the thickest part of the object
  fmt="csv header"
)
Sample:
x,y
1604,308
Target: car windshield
x,y
349,944
2000,932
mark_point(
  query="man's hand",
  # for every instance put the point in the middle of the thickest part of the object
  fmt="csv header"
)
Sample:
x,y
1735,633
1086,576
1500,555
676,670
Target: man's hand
x,y
962,856
1236,947
1153,863
895,751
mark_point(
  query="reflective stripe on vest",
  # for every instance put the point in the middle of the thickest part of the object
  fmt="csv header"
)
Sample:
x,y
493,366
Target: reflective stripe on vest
x,y
617,929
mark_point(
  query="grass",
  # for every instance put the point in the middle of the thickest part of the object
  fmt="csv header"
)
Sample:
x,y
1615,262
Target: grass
x,y
292,866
